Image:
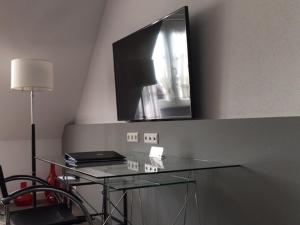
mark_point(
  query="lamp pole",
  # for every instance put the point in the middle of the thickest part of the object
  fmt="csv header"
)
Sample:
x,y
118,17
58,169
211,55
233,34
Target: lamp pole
x,y
33,162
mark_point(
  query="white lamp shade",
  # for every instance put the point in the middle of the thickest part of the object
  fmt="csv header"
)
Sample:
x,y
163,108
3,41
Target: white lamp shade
x,y
31,75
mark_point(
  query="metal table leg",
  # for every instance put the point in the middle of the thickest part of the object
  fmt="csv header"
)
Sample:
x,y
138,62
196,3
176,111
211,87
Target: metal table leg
x,y
125,207
104,200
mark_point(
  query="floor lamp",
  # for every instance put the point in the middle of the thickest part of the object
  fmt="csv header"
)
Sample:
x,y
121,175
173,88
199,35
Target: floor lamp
x,y
32,75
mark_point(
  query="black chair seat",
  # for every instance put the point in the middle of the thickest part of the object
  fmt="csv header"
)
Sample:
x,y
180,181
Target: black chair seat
x,y
47,215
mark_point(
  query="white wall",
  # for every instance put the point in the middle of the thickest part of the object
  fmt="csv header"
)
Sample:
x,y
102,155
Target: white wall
x,y
15,156
246,54
63,32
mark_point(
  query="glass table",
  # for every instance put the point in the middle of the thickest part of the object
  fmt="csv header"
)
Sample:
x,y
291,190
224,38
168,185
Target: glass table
x,y
138,163
136,172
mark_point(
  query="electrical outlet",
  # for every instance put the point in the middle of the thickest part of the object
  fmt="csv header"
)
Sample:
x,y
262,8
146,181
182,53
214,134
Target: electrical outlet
x,y
133,137
150,168
151,138
133,165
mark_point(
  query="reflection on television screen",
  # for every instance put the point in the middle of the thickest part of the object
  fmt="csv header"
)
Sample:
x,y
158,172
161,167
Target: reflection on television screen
x,y
152,71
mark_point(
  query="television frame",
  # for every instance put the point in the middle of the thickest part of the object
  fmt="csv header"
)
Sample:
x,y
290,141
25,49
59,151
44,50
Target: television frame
x,y
188,38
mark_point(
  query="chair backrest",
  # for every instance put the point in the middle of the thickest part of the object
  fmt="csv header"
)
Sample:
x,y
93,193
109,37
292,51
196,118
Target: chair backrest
x,y
2,184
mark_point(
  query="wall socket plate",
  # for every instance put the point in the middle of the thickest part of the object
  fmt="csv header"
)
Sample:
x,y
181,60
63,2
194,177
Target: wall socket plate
x,y
132,137
133,165
150,168
151,138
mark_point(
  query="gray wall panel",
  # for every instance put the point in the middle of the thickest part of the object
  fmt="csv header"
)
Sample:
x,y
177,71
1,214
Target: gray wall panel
x,y
265,191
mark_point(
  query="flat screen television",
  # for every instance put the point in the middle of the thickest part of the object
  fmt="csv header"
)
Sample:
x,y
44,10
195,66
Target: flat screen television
x,y
152,73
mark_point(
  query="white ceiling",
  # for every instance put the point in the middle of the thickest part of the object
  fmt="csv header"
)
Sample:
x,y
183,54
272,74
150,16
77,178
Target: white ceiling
x,y
62,31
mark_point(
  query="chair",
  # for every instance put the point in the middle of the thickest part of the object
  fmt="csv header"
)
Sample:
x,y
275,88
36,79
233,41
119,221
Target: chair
x,y
58,214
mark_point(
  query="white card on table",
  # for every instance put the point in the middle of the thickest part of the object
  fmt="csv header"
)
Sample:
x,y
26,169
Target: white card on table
x,y
156,152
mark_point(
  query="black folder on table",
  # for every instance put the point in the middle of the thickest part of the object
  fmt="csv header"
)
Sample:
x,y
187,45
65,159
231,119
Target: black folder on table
x,y
80,158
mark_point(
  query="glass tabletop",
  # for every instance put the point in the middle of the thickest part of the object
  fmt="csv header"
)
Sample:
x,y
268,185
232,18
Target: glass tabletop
x,y
138,163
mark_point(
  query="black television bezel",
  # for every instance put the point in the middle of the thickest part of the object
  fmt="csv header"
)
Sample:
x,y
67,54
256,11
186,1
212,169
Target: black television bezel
x,y
188,37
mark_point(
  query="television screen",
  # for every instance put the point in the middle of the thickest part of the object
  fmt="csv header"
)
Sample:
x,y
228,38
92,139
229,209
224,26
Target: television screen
x,y
152,74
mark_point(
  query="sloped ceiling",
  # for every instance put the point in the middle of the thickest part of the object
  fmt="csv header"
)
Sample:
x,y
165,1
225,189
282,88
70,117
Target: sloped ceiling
x,y
62,31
